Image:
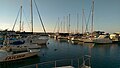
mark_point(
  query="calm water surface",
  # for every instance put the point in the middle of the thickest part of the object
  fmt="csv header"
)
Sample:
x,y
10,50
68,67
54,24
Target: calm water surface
x,y
102,56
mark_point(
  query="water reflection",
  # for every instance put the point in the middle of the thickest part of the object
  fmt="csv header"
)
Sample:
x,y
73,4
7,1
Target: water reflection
x,y
105,55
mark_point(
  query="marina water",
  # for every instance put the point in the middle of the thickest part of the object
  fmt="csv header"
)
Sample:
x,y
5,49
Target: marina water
x,y
102,56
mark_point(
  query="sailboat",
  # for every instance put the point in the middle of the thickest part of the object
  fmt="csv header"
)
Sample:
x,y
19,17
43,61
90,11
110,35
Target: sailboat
x,y
9,56
103,39
89,36
6,53
14,39
38,39
76,37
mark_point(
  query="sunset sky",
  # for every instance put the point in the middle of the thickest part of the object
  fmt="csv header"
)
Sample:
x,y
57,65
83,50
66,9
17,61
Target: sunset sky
x,y
106,14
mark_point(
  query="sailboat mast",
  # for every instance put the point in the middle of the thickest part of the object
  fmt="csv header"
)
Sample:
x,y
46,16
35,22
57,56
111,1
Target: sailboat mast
x,y
20,16
61,27
77,22
22,26
58,25
82,16
92,16
69,24
64,24
31,16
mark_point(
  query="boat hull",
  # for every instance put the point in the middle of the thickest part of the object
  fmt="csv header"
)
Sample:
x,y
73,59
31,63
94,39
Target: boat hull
x,y
19,56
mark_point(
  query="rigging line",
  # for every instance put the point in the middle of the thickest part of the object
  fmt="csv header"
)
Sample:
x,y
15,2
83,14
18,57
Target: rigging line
x,y
77,23
92,24
69,24
58,25
55,27
82,16
40,17
16,20
88,21
61,27
64,23
26,19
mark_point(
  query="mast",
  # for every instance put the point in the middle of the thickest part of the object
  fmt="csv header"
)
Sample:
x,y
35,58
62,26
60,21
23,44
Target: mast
x,y
58,25
77,22
64,24
92,28
22,26
31,15
61,28
20,16
69,25
82,16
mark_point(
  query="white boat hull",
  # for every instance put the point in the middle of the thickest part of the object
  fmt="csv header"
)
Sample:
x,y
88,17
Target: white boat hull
x,y
87,40
40,41
103,41
18,56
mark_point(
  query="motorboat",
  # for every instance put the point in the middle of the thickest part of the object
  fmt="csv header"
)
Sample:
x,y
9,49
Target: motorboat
x,y
115,37
40,40
9,56
103,39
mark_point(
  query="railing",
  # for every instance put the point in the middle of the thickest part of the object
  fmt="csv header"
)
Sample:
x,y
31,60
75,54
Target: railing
x,y
64,62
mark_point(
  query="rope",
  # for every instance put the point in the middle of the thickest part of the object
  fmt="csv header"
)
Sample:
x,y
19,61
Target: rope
x,y
88,21
26,19
40,17
55,27
16,20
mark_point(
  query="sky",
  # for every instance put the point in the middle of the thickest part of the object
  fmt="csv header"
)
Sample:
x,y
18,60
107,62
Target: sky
x,y
106,14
